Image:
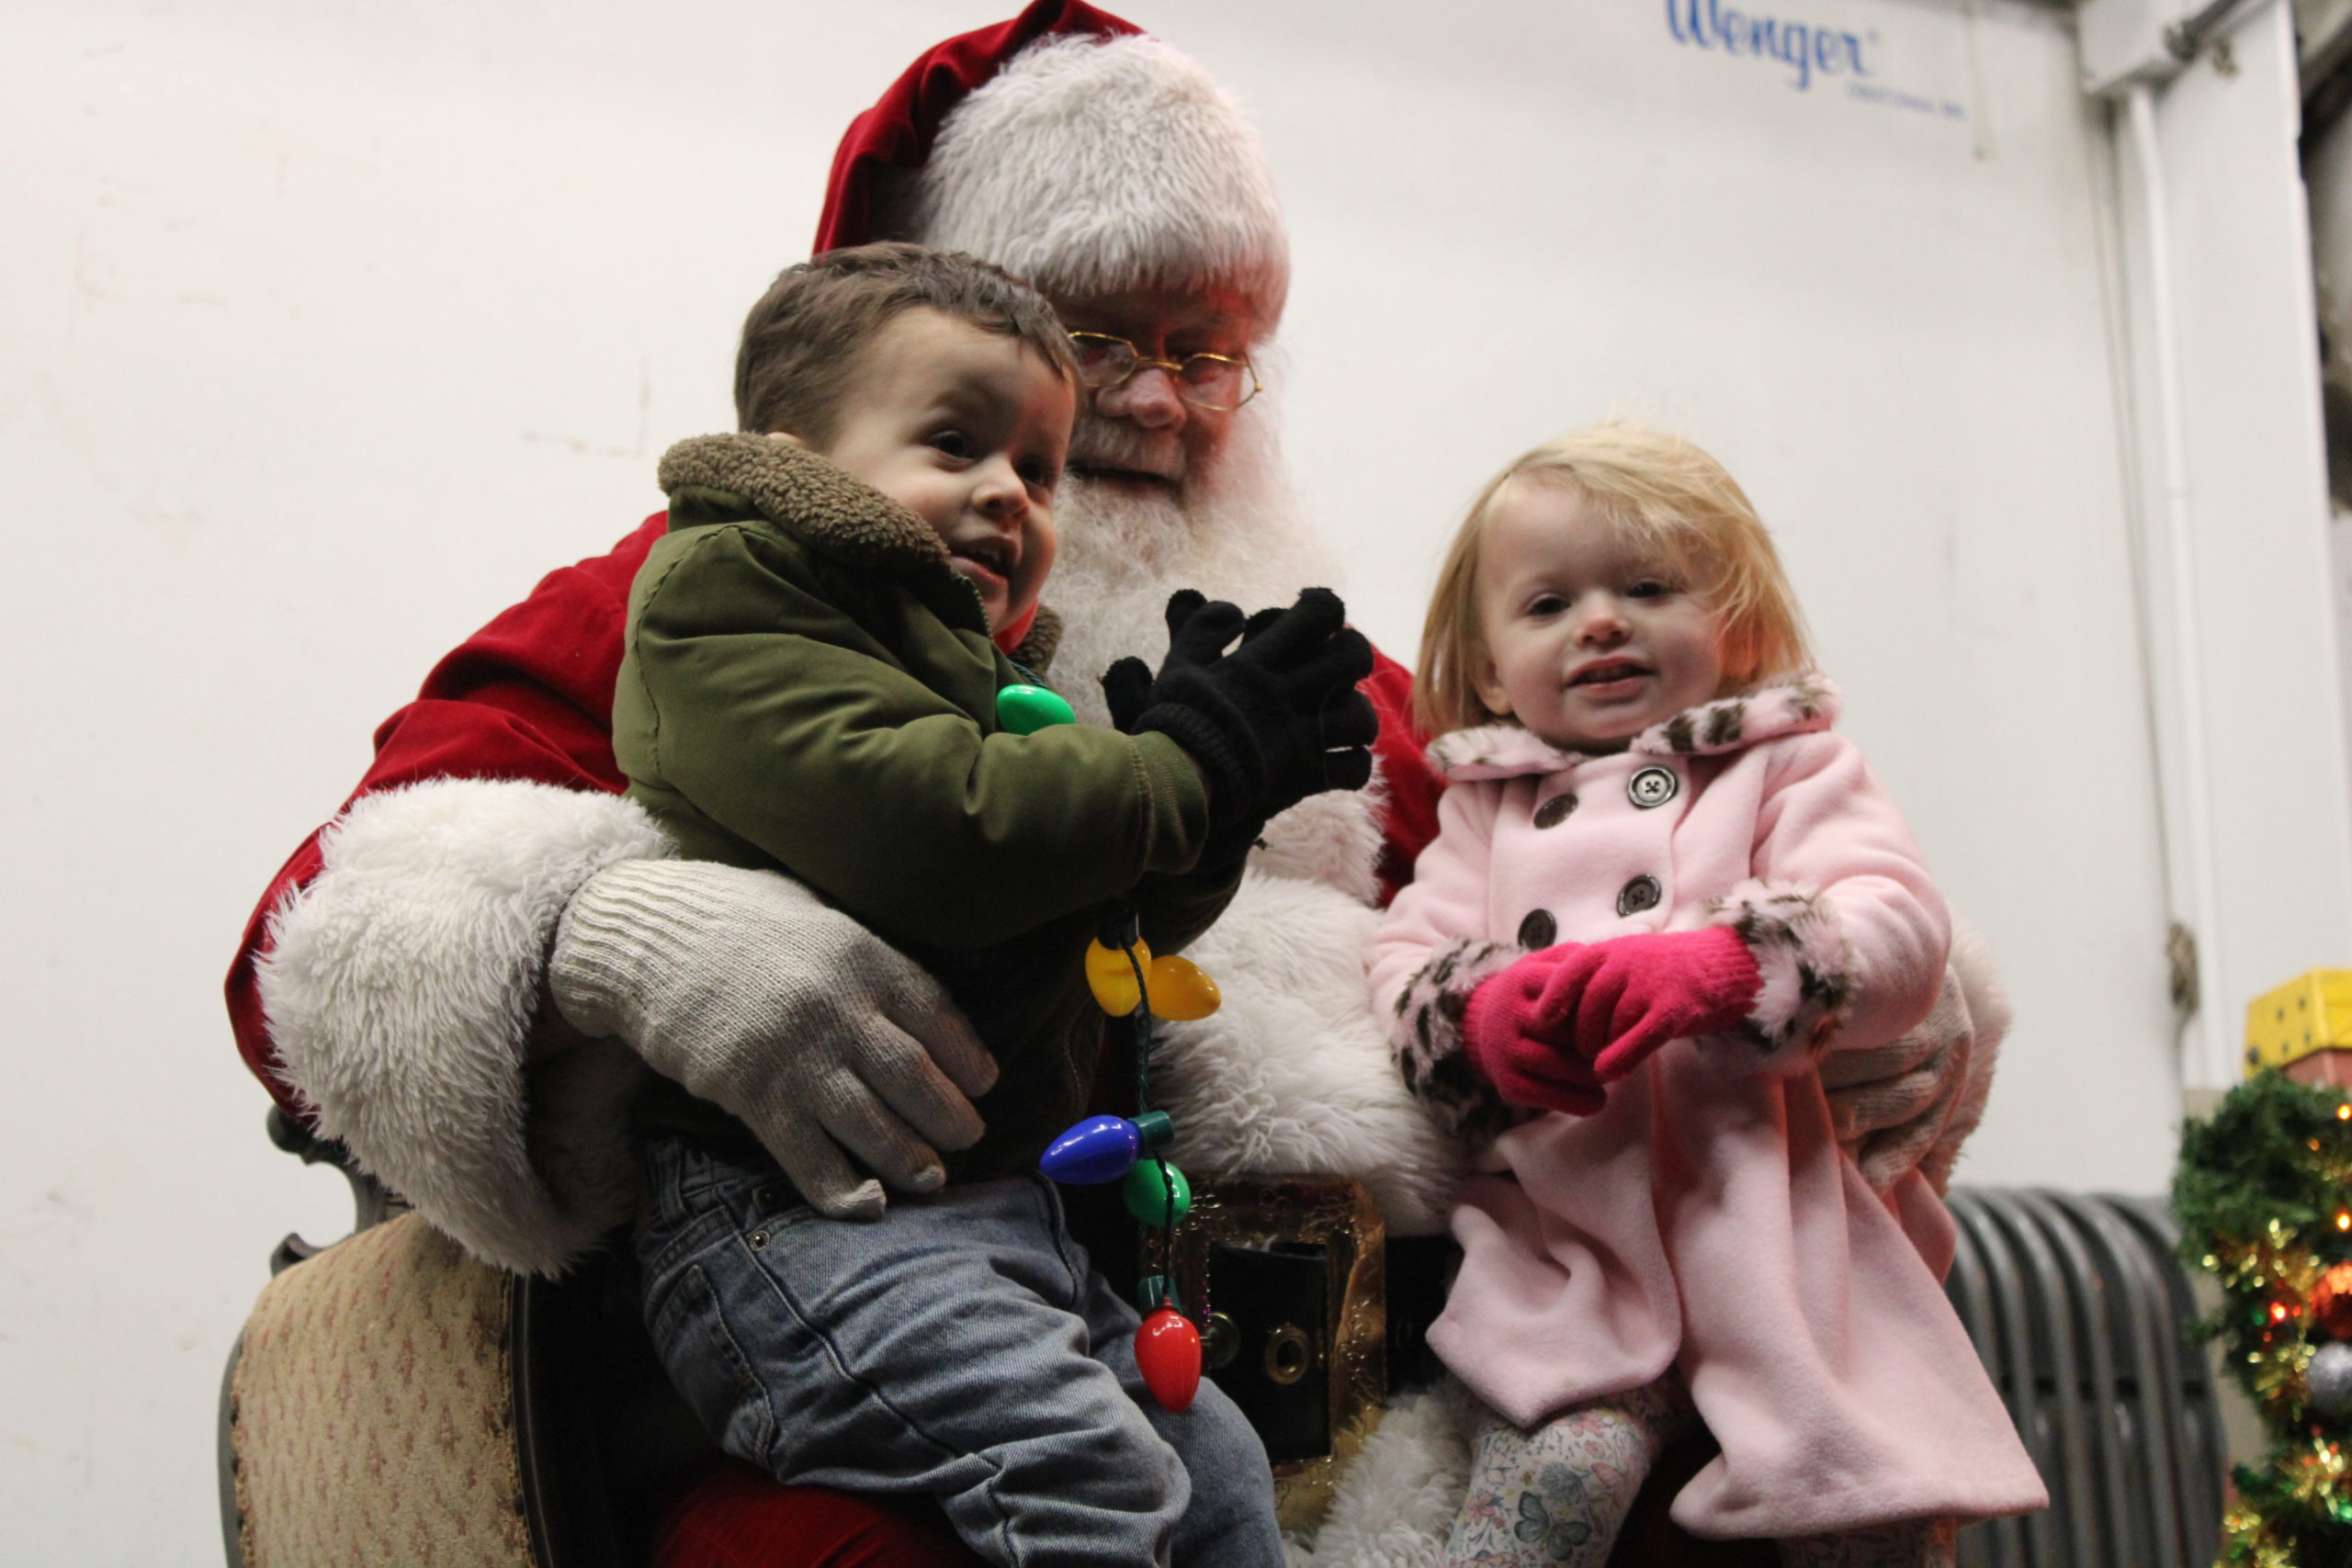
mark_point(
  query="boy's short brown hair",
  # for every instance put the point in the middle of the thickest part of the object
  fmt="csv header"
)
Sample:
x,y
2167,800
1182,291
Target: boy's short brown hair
x,y
801,342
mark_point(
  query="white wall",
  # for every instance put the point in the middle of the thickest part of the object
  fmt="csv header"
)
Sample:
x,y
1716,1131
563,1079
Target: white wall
x,y
1892,324
2329,169
324,331
2244,655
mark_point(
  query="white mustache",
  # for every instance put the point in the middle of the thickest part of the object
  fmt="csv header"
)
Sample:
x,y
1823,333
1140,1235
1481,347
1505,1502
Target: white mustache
x,y
1099,442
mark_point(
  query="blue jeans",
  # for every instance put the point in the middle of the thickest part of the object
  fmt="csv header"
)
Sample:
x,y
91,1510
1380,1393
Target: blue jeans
x,y
959,1347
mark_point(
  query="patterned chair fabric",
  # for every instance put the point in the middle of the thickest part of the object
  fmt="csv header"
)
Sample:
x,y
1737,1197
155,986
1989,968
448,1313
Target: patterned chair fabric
x,y
371,1411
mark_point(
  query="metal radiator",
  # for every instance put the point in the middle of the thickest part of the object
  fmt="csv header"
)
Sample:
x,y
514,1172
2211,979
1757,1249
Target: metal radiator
x,y
2077,1307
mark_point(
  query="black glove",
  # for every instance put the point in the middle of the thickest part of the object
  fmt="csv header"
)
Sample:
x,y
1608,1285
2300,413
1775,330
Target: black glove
x,y
1272,722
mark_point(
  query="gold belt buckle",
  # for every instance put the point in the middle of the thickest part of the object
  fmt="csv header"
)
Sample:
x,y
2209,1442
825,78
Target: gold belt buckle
x,y
1319,1383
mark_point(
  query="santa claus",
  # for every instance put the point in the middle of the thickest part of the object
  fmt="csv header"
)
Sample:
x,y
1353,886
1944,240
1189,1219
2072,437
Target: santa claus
x,y
403,985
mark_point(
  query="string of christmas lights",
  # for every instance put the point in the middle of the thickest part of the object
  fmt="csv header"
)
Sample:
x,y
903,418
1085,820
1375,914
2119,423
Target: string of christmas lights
x,y
2264,1195
1128,982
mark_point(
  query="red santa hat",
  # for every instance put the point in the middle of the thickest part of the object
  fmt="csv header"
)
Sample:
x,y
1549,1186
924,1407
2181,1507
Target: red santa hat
x,y
1072,150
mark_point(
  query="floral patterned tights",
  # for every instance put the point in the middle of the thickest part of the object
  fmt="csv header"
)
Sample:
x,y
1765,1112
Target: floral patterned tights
x,y
1555,1497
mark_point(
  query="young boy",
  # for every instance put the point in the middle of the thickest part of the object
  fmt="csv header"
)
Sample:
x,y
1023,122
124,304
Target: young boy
x,y
813,657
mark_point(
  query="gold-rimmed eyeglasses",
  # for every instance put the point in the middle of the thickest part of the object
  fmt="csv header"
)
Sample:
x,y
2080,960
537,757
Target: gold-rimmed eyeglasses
x,y
1214,381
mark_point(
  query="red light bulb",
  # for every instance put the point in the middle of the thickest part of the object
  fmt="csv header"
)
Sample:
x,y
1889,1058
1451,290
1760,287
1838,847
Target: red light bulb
x,y
1168,1353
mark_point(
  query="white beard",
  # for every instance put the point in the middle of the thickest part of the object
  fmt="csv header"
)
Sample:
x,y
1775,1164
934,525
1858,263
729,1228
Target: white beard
x,y
1231,529
1291,1076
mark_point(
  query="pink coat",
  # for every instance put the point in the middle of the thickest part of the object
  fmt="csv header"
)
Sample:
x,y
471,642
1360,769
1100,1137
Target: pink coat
x,y
1706,1218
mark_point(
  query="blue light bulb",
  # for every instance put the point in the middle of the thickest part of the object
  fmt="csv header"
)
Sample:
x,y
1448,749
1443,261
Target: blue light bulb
x,y
1098,1149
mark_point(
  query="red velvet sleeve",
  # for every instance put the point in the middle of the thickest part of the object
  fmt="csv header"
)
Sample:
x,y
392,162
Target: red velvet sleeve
x,y
529,696
1412,788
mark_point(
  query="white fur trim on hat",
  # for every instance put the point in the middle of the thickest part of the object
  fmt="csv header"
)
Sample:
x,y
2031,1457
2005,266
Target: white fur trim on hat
x,y
1089,166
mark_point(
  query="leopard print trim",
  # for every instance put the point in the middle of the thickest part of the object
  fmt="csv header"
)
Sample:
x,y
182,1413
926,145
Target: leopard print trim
x,y
1494,752
1801,703
1800,953
1809,701
1426,1034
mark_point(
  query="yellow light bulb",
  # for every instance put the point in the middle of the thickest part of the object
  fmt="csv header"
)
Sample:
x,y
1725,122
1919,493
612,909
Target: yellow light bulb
x,y
1112,977
1182,989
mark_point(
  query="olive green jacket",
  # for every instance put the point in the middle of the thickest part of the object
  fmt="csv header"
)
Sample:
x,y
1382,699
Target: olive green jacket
x,y
807,685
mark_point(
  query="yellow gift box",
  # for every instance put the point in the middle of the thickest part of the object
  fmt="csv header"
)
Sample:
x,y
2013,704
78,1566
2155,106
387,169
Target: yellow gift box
x,y
2308,1014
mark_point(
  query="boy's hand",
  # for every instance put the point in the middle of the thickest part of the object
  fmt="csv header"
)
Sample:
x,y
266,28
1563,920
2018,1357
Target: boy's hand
x,y
1272,722
823,1039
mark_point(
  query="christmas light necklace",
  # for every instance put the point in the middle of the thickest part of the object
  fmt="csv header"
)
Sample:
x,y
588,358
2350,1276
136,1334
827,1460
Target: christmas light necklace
x,y
1128,982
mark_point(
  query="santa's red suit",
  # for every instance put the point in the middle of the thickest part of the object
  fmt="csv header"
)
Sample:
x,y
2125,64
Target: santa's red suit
x,y
530,698
389,987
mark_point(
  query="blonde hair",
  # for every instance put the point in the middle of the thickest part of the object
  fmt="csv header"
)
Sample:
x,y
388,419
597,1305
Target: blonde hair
x,y
1669,496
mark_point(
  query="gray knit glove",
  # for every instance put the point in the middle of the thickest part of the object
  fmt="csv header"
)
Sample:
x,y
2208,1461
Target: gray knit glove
x,y
1889,1103
807,1027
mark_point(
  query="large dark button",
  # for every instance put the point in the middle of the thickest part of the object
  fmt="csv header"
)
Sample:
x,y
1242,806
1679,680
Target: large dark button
x,y
1555,811
1642,893
1536,932
1652,786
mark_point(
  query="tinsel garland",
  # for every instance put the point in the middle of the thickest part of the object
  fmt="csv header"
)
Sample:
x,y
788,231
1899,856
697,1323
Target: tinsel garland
x,y
2264,1195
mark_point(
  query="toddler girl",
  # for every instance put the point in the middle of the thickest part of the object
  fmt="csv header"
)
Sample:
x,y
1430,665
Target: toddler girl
x,y
1660,890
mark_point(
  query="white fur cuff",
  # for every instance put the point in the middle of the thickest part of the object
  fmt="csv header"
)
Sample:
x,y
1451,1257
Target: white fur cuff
x,y
401,988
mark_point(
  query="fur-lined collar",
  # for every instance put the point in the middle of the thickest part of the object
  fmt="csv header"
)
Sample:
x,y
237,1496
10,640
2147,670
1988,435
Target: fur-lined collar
x,y
1803,702
815,502
801,492
1035,653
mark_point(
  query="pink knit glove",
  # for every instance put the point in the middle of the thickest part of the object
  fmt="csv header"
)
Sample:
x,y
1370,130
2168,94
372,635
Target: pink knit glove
x,y
1501,1036
1614,1002
1552,1028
